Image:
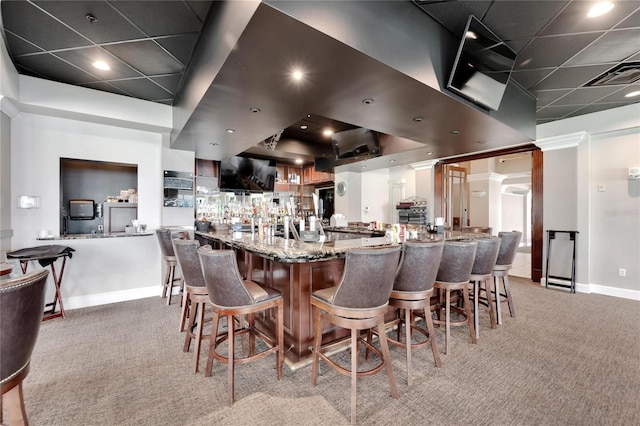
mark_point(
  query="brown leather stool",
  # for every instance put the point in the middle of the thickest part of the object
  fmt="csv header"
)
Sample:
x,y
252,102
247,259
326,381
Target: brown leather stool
x,y
358,302
231,296
453,276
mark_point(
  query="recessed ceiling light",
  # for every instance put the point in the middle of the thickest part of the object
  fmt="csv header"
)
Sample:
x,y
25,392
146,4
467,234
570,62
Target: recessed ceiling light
x,y
632,94
392,161
471,35
92,19
455,132
367,101
304,127
213,143
298,161
254,109
297,75
230,130
481,142
327,132
429,153
600,9
363,167
101,65
417,119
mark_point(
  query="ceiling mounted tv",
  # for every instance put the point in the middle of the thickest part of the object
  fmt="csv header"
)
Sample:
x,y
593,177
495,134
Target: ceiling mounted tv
x,y
245,174
355,143
482,67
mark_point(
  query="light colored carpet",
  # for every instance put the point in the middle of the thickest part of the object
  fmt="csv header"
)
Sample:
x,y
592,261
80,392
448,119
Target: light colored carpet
x,y
566,359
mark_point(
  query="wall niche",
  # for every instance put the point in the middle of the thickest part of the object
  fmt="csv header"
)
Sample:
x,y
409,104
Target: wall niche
x,y
94,181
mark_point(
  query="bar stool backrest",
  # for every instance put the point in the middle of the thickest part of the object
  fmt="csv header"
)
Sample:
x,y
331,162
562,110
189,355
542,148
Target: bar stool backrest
x,y
187,254
368,277
457,260
486,255
508,247
476,230
165,235
418,266
22,302
222,278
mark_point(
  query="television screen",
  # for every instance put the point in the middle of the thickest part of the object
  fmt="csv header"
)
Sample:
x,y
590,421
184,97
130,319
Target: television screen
x,y
482,66
356,143
247,174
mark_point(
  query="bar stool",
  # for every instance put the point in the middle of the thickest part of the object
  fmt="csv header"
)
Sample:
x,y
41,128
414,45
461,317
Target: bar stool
x,y
453,276
22,300
164,238
196,296
231,296
482,272
508,247
412,290
358,302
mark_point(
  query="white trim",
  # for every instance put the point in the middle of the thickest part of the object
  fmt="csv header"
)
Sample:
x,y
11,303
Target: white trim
x,y
8,107
423,165
570,140
622,293
495,177
78,302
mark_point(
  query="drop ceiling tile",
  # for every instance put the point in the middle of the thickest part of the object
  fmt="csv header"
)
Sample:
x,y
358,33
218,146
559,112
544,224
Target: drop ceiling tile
x,y
529,78
54,68
40,29
521,19
571,77
545,97
180,46
146,56
17,46
169,82
553,51
200,7
551,112
574,18
84,58
632,20
611,47
142,88
585,95
455,19
176,17
104,86
111,26
596,108
618,96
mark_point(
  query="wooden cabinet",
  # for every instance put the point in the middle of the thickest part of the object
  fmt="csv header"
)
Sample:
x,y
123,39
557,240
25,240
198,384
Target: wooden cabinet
x,y
311,175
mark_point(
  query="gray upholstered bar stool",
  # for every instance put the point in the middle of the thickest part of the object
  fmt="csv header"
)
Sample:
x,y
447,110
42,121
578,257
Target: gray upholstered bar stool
x,y
508,247
359,302
453,276
22,301
232,296
476,230
164,239
412,291
482,273
196,295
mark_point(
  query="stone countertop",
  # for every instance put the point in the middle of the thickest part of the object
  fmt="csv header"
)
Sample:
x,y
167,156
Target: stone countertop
x,y
95,236
291,251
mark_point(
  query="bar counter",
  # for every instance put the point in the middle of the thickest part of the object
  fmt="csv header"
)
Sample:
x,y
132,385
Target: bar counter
x,y
296,269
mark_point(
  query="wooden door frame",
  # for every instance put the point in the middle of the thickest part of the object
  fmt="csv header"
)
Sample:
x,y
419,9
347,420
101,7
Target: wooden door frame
x,y
536,196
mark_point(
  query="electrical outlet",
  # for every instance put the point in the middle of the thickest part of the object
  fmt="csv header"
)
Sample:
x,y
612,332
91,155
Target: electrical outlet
x,y
601,187
622,272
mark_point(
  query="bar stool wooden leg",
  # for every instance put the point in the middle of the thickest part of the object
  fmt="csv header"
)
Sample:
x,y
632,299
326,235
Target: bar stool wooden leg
x,y
432,336
467,309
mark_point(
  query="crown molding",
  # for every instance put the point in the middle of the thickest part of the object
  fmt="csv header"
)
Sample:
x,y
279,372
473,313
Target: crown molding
x,y
570,140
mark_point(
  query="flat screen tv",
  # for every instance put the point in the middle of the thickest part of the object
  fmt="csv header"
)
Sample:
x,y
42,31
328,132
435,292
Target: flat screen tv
x,y
482,66
355,143
245,174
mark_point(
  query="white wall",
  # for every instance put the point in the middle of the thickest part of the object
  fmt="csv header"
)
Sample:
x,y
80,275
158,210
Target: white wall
x,y
512,213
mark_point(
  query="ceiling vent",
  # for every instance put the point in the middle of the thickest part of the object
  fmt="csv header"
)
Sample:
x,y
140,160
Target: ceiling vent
x,y
626,73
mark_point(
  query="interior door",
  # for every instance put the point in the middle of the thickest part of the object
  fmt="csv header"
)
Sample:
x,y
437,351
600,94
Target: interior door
x,y
455,197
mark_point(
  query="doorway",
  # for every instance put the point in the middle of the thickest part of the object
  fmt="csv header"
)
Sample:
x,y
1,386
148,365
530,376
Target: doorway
x,y
536,207
455,201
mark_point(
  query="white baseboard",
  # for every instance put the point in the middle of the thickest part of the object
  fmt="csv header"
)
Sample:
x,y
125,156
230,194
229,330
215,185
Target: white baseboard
x,y
78,302
601,289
